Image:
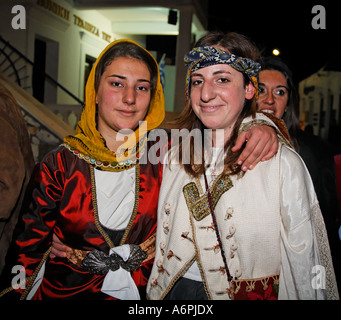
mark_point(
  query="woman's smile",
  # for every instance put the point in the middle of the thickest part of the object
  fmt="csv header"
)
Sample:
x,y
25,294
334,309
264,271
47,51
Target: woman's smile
x,y
127,113
123,98
210,109
218,96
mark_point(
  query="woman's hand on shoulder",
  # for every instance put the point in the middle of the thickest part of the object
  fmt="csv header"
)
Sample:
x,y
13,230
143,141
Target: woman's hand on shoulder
x,y
261,145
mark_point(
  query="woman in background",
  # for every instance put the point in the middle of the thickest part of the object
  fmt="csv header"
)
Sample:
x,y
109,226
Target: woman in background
x,y
278,96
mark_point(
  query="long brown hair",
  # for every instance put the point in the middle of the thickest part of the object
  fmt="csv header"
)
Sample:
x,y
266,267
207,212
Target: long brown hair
x,y
239,45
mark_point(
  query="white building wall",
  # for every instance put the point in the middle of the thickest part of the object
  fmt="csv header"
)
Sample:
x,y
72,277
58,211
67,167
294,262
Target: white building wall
x,y
320,101
77,34
72,34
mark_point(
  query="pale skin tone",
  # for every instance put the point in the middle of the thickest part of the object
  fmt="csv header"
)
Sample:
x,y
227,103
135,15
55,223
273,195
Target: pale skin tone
x,y
273,92
123,98
218,95
258,148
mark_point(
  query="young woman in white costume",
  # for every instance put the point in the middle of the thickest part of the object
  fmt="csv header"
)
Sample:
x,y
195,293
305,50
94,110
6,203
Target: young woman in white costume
x,y
227,234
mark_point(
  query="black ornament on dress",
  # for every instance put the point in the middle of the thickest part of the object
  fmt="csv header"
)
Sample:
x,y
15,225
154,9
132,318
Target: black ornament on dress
x,y
98,262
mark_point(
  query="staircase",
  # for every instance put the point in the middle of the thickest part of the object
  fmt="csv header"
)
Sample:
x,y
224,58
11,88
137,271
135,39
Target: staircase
x,y
46,125
14,65
19,69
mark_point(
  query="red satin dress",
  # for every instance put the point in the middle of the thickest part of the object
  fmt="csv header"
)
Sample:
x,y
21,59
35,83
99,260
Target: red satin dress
x,y
62,196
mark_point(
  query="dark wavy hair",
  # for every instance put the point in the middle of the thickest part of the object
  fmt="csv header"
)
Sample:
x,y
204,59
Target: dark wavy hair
x,y
291,115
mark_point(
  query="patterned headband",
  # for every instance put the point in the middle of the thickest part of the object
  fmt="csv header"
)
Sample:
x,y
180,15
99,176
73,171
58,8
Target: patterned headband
x,y
202,57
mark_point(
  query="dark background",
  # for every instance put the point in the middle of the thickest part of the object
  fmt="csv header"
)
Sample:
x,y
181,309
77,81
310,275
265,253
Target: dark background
x,y
285,25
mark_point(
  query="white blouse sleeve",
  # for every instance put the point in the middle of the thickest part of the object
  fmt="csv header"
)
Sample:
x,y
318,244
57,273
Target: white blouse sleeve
x,y
306,271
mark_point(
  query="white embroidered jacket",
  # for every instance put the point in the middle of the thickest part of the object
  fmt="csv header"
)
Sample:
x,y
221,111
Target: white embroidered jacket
x,y
269,221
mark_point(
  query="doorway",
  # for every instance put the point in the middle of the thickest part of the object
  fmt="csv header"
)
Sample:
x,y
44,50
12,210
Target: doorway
x,y
46,56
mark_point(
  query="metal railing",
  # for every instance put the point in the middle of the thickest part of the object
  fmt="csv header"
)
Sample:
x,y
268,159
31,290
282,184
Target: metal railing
x,y
12,62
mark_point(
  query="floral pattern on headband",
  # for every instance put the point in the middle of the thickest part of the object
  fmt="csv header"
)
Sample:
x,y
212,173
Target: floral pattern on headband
x,y
202,57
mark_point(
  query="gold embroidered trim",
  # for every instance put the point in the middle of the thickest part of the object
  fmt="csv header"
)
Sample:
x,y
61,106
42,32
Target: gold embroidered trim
x,y
94,203
30,280
132,218
197,205
76,256
137,197
250,284
102,165
176,278
280,135
201,191
149,247
325,255
198,258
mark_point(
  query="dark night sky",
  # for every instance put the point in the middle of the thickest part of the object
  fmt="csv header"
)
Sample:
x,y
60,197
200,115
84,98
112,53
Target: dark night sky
x,y
285,25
